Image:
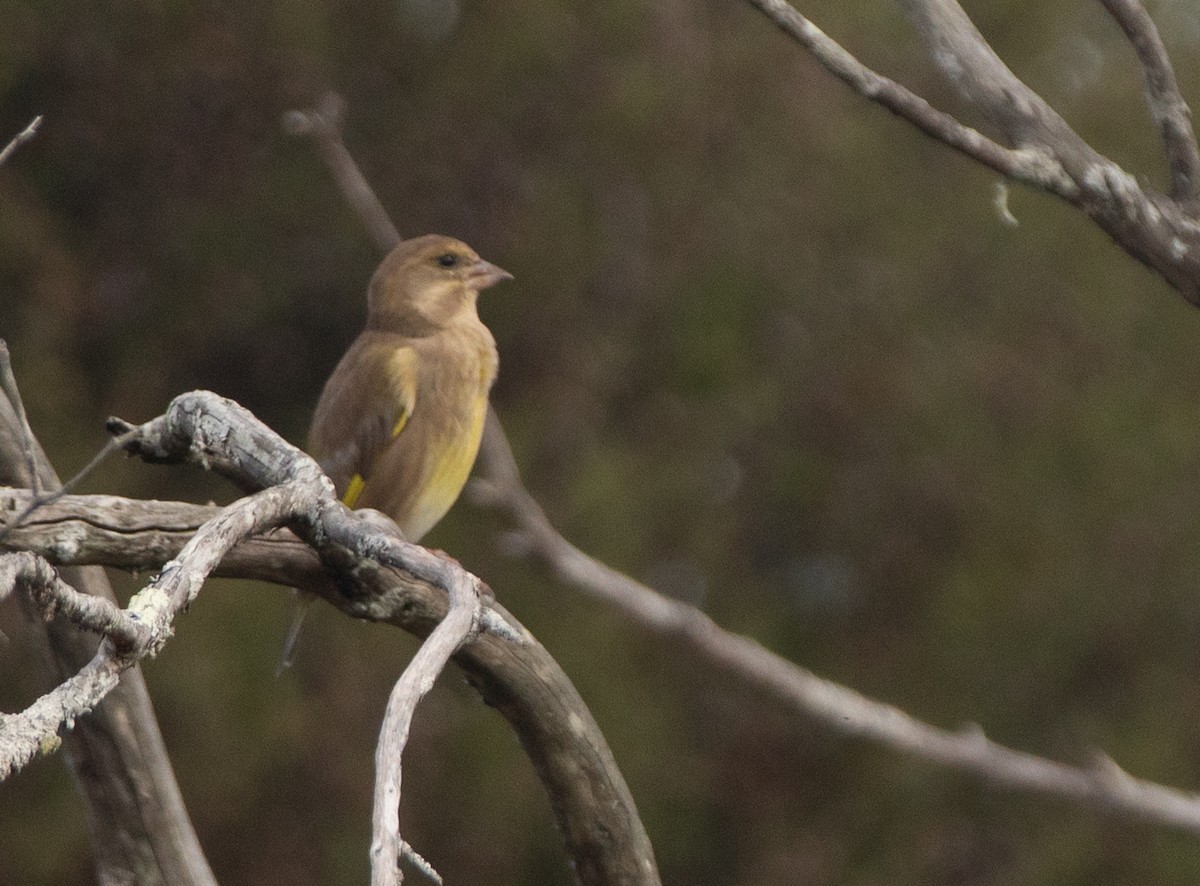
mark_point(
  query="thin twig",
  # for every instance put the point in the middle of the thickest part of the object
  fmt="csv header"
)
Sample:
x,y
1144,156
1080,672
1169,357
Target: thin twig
x,y
837,707
423,867
112,445
1031,166
461,621
1167,105
20,138
323,124
53,595
8,383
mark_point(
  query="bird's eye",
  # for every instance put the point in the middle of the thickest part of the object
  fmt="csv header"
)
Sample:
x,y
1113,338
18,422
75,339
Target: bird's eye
x,y
449,260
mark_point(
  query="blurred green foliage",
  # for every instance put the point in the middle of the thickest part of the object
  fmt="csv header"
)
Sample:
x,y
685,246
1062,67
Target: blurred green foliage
x,y
768,349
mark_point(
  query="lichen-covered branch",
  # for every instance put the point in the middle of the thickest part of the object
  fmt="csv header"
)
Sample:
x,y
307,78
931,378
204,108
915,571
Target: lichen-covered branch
x,y
53,596
1043,151
137,535
459,625
139,828
396,581
1168,108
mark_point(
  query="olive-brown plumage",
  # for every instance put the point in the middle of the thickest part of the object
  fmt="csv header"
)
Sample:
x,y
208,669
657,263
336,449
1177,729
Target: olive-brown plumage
x,y
399,423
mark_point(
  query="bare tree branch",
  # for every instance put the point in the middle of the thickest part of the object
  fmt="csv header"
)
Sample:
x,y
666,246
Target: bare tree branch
x,y
53,596
1166,103
1030,165
145,624
1157,230
137,535
323,124
401,583
973,67
139,828
20,138
837,707
459,625
35,730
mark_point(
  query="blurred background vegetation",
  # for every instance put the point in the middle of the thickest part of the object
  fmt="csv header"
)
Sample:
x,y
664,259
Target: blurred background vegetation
x,y
768,349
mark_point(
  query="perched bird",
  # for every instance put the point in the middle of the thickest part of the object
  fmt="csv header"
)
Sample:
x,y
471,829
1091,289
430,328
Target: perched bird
x,y
399,423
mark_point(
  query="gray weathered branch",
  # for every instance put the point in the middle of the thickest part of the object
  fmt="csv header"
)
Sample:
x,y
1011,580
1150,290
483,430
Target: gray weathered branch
x,y
1162,232
1167,106
460,624
141,535
837,707
139,828
20,138
1104,786
138,631
1029,165
395,581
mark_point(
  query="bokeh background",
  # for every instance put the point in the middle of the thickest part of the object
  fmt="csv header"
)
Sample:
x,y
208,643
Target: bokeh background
x,y
768,349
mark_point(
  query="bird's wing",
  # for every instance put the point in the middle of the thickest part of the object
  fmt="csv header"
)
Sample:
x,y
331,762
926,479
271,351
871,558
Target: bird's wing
x,y
365,406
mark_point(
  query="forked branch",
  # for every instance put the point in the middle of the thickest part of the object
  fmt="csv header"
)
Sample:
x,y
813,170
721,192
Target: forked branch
x,y
395,581
1043,151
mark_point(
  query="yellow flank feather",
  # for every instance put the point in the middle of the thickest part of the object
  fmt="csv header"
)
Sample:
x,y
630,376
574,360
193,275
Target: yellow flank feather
x,y
354,490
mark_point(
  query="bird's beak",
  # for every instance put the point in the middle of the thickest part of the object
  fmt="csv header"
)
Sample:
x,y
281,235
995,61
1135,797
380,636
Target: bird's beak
x,y
484,274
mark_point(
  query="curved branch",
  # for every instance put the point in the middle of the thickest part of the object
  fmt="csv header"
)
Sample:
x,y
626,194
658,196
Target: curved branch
x,y
1158,231
139,828
1030,165
397,582
460,624
137,535
1166,102
837,707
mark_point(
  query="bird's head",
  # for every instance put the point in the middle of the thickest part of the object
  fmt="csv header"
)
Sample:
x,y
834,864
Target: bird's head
x,y
426,283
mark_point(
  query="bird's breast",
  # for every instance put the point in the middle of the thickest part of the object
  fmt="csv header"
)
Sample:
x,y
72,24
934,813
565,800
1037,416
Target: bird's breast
x,y
454,374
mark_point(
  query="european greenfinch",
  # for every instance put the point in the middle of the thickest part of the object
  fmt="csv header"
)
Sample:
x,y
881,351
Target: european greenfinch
x,y
398,425
399,422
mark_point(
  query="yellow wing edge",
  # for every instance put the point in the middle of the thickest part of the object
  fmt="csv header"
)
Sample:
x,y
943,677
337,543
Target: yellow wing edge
x,y
357,482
